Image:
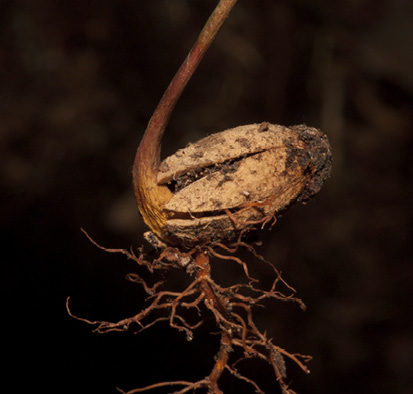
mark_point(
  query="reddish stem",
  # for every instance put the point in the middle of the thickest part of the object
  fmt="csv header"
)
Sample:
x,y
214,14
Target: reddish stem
x,y
150,146
149,194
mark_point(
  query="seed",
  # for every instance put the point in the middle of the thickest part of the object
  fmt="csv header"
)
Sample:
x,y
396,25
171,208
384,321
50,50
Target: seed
x,y
239,178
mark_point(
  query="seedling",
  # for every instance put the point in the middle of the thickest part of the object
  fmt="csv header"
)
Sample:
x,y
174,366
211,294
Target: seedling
x,y
201,203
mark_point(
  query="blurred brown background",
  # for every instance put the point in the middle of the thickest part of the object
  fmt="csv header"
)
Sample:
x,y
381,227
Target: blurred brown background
x,y
79,81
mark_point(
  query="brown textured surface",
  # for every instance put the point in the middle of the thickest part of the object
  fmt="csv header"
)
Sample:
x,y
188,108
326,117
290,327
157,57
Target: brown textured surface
x,y
79,81
271,165
220,147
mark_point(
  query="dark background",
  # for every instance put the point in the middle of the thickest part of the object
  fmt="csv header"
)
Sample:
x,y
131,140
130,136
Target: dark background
x,y
79,81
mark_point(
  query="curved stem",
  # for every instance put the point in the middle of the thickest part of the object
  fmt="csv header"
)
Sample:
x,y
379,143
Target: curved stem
x,y
151,196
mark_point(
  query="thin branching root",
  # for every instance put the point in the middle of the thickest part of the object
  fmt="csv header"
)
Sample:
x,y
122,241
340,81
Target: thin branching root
x,y
230,307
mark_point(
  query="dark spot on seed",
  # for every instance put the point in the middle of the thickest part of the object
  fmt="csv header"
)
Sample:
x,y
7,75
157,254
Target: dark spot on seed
x,y
197,155
264,126
244,142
